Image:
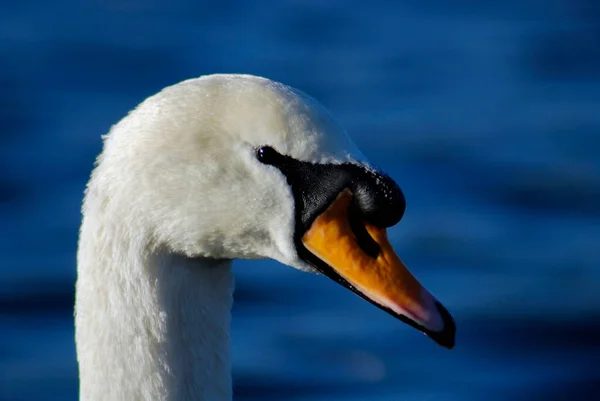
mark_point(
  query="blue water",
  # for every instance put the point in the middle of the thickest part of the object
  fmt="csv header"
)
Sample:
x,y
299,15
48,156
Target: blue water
x,y
486,113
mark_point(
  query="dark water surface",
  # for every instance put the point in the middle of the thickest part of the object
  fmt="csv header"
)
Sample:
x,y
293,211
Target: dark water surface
x,y
486,113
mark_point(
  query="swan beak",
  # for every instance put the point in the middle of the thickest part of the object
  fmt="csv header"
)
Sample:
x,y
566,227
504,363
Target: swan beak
x,y
378,276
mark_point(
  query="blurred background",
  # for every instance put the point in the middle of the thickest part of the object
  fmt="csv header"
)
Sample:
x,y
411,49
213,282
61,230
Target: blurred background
x,y
487,113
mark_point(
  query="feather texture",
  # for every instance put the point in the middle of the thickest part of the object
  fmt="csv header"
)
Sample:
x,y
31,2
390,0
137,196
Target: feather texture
x,y
176,194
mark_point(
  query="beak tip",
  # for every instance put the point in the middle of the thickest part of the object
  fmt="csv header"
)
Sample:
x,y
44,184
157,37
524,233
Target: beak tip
x,y
446,338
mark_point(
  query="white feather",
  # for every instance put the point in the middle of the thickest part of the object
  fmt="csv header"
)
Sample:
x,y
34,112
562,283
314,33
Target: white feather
x,y
176,194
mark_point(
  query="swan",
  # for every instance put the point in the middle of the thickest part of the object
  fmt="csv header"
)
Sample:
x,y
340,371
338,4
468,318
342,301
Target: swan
x,y
209,170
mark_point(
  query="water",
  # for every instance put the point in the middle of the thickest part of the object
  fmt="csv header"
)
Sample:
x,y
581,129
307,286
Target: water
x,y
486,113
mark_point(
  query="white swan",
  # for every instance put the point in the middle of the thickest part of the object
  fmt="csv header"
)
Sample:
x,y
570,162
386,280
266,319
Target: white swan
x,y
206,171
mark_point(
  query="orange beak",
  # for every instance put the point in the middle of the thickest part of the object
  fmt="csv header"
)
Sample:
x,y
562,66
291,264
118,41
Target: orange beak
x,y
359,256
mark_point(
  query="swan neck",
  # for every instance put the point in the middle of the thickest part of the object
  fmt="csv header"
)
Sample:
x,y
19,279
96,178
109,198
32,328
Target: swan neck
x,y
151,325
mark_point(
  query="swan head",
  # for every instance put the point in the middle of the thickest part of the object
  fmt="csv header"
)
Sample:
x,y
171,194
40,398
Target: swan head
x,y
236,166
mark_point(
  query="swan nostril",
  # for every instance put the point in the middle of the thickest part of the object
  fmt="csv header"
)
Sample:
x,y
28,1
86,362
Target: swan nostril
x,y
363,238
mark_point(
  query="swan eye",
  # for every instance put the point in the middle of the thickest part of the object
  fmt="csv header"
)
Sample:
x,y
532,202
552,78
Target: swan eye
x,y
267,155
